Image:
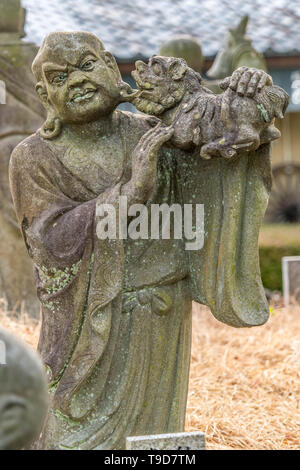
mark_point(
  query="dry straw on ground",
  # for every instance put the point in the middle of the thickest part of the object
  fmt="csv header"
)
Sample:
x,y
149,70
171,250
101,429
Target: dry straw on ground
x,y
244,384
21,325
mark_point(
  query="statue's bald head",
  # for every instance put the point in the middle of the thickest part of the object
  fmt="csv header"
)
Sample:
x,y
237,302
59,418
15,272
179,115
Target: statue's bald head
x,y
60,46
23,393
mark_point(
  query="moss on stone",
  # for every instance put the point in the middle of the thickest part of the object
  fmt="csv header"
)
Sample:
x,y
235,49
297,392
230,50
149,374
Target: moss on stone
x,y
54,279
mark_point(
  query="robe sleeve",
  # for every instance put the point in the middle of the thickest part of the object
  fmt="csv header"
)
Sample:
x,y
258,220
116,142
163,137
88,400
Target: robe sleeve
x,y
225,273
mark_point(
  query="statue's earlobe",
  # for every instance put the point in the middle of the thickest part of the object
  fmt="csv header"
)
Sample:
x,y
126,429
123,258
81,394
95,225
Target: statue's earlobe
x,y
52,127
122,90
12,410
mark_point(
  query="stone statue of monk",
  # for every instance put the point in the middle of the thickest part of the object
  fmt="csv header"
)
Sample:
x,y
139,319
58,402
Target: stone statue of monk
x,y
116,330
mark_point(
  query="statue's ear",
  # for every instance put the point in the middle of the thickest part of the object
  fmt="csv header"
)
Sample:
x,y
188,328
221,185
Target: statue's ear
x,y
53,125
42,93
111,63
12,414
177,69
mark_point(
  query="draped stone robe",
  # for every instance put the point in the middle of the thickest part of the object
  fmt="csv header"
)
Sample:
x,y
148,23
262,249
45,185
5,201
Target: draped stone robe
x,y
116,328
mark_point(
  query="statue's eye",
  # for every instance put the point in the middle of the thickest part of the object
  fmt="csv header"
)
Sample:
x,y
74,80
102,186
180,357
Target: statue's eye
x,y
89,65
59,78
157,68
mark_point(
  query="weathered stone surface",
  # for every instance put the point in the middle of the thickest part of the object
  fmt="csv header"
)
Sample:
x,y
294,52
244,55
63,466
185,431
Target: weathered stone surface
x,y
177,441
213,126
219,125
116,329
23,393
20,116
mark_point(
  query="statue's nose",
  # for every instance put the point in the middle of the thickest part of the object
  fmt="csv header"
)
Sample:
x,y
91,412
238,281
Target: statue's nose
x,y
76,79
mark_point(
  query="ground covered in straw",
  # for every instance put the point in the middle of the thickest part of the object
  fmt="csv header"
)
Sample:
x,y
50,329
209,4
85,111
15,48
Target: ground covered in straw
x,y
244,384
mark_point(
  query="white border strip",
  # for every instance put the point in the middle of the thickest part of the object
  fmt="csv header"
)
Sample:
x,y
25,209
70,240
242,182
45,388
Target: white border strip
x,y
285,277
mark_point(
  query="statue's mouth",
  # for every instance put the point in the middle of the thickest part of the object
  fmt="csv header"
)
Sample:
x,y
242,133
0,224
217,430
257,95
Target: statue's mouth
x,y
83,95
145,90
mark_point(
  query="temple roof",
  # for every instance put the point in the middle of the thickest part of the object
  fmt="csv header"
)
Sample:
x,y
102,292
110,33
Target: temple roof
x,y
135,29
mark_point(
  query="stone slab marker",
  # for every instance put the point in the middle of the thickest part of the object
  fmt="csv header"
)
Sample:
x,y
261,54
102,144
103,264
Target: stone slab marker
x,y
177,441
291,279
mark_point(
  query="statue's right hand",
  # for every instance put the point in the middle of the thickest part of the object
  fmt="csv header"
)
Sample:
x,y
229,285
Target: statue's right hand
x,y
246,81
144,160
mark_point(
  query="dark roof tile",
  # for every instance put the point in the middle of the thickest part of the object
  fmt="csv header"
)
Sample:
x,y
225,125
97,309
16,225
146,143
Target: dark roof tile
x,y
138,27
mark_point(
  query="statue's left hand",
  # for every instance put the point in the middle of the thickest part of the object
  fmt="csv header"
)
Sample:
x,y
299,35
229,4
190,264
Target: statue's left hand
x,y
246,81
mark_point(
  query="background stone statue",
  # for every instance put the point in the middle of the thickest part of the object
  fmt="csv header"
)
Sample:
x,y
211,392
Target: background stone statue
x,y
116,331
237,52
19,117
23,394
185,47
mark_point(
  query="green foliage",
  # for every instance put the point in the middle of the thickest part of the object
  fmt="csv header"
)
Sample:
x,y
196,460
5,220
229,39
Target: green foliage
x,y
270,264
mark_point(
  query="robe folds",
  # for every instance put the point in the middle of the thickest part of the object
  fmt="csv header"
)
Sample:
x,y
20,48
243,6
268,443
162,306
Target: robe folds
x,y
116,325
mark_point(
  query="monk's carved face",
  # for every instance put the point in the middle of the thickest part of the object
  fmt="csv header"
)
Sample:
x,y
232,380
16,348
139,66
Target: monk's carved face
x,y
82,86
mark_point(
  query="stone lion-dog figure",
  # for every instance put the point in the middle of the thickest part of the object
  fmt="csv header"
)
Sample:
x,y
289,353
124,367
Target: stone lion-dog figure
x,y
220,125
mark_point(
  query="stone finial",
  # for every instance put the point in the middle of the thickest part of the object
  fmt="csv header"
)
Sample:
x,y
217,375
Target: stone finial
x,y
12,17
